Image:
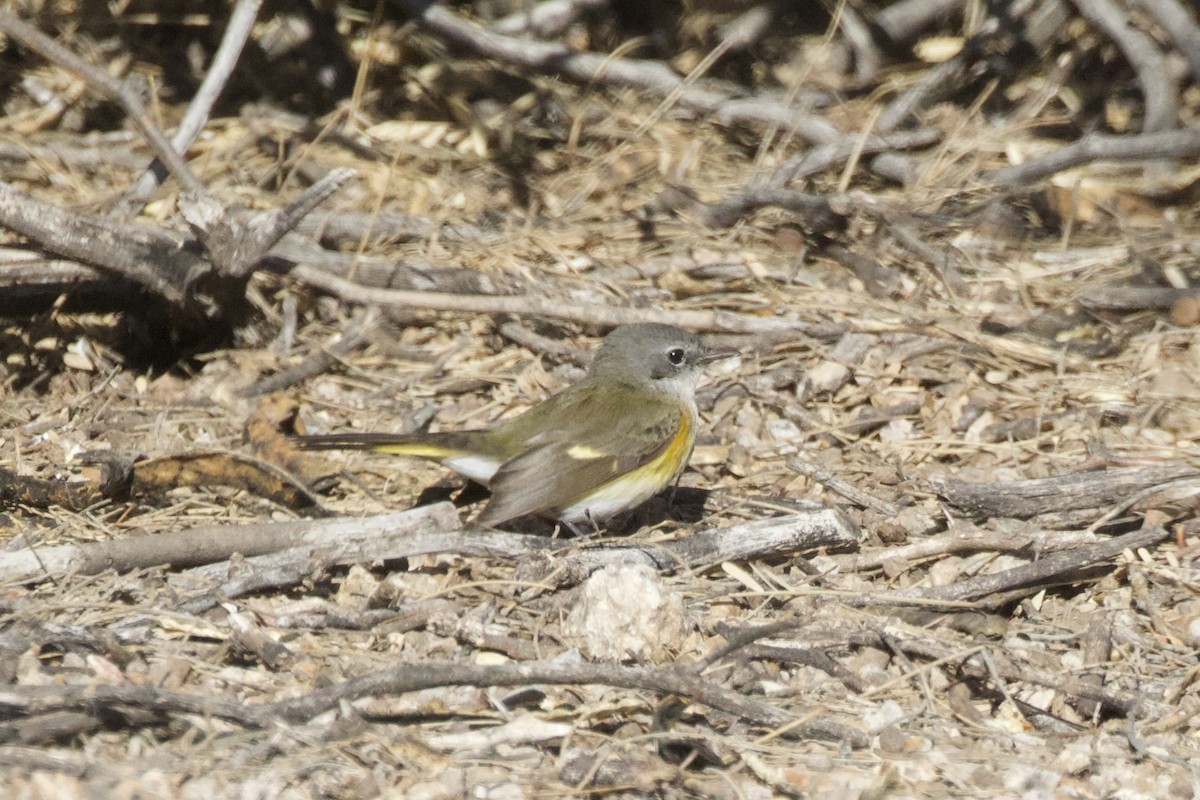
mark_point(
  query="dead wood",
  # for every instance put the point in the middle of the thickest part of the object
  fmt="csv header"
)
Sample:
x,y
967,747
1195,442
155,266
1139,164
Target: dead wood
x,y
25,275
32,701
761,539
203,280
1149,63
234,470
204,545
516,332
966,538
903,21
237,32
611,316
879,281
38,701
808,639
152,258
117,478
814,211
828,156
112,482
118,150
236,243
366,230
1097,649
1134,298
1179,26
548,18
857,35
1170,144
553,58
1050,569
319,361
847,490
677,681
993,39
371,540
99,79
1069,492
367,270
47,760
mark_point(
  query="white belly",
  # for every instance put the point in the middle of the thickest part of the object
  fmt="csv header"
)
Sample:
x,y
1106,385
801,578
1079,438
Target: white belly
x,y
611,499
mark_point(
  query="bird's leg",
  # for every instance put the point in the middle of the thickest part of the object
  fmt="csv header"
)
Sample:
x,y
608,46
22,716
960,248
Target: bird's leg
x,y
579,530
571,526
674,489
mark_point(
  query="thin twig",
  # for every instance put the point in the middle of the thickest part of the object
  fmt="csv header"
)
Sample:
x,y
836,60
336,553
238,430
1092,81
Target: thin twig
x,y
1180,27
319,361
415,677
525,305
106,85
1148,62
241,22
1050,567
1183,143
835,484
549,18
652,76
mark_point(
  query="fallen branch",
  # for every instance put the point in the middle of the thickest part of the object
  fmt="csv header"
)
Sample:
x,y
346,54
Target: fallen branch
x,y
105,85
1069,492
241,22
153,258
763,538
206,544
349,541
525,305
25,274
1148,62
31,701
205,282
903,21
1183,143
1030,577
561,60
676,681
236,243
319,361
1082,687
965,538
548,18
1179,26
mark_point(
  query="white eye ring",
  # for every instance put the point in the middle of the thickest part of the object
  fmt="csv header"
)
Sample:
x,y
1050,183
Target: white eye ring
x,y
675,355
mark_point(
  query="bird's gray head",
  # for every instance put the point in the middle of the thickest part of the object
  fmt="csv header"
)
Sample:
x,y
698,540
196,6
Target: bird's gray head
x,y
666,356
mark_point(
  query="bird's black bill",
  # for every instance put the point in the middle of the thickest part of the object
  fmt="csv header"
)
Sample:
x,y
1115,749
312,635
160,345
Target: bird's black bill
x,y
716,355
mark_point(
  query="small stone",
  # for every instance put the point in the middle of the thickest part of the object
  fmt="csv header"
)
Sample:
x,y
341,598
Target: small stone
x,y
626,613
1186,312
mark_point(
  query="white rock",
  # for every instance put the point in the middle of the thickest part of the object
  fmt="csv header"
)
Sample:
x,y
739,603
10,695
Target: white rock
x,y
626,613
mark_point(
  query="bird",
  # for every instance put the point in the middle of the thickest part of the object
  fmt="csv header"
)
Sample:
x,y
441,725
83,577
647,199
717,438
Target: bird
x,y
599,447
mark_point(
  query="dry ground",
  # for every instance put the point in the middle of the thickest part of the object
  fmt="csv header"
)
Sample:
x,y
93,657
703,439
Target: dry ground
x,y
988,339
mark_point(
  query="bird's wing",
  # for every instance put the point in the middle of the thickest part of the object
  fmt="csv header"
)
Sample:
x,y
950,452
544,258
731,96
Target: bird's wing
x,y
564,465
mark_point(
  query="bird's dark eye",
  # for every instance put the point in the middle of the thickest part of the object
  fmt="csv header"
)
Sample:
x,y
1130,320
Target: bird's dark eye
x,y
675,355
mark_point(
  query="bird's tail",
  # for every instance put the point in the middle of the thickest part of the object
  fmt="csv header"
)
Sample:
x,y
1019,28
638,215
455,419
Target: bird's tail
x,y
436,446
474,454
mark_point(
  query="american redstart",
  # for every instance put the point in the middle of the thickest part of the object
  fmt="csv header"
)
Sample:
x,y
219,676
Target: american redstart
x,y
599,447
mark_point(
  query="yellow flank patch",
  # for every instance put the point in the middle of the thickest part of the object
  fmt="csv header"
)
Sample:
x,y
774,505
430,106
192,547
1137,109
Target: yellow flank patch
x,y
670,461
584,452
636,486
